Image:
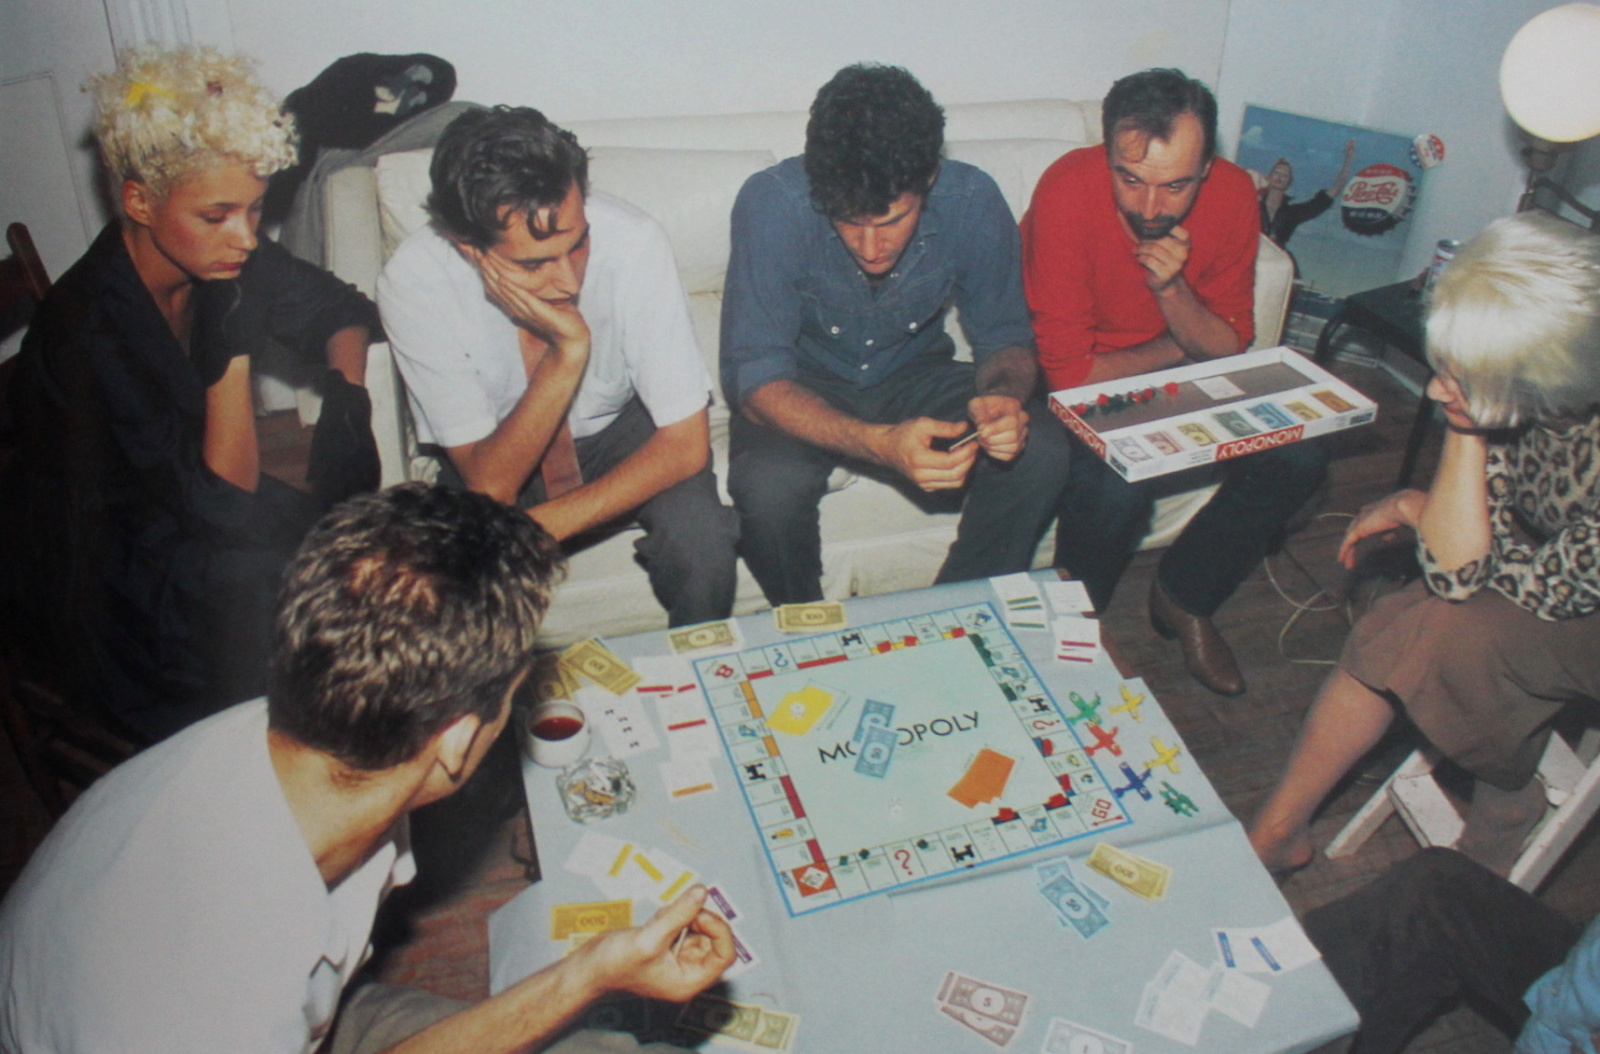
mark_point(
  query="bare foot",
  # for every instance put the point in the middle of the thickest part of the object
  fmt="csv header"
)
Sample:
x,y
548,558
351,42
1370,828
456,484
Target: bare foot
x,y
1283,853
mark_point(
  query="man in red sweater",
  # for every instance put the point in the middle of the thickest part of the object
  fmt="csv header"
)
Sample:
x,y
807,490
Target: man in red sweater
x,y
1140,255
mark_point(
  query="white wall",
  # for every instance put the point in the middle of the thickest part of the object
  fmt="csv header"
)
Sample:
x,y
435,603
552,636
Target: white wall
x,y
67,39
1403,65
1441,75
1316,59
622,58
39,177
1408,66
642,58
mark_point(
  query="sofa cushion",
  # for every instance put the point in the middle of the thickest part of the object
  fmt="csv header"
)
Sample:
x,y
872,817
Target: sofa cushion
x,y
403,186
689,192
1078,122
782,133
1015,164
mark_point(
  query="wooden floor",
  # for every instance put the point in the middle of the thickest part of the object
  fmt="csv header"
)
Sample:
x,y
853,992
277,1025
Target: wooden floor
x,y
437,937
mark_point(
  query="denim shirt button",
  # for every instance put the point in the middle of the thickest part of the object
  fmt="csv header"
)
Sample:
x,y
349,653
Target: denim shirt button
x,y
833,330
864,367
870,343
912,327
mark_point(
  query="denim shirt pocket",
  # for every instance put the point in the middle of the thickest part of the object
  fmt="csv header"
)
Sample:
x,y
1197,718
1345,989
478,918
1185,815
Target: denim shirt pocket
x,y
916,306
833,320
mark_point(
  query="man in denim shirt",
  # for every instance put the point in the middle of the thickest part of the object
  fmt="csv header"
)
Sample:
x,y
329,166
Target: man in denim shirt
x,y
843,265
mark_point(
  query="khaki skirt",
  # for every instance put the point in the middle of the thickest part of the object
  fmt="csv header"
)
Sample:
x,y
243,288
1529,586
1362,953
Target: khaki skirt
x,y
1482,678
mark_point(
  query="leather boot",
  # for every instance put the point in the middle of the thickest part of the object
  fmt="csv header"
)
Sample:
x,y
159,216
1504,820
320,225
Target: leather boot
x,y
1205,653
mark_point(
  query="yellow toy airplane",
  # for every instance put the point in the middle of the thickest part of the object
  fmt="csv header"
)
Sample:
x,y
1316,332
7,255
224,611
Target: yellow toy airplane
x,y
1165,755
1130,703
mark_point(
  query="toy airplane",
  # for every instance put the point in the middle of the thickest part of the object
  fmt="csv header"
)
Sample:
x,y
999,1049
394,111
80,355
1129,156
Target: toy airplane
x,y
1136,783
1104,740
1177,801
1165,755
1089,712
1130,703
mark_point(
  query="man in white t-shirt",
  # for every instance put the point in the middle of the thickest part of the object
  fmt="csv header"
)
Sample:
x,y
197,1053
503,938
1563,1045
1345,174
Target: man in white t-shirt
x,y
217,892
529,302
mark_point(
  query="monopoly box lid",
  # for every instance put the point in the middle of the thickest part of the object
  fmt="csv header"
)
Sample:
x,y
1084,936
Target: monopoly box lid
x,y
1191,415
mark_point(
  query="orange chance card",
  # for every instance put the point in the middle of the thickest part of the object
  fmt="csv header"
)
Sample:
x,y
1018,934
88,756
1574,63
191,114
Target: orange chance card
x,y
984,780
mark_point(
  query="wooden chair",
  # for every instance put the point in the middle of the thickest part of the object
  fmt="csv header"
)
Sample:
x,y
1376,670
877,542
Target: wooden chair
x,y
23,283
22,275
1572,788
61,748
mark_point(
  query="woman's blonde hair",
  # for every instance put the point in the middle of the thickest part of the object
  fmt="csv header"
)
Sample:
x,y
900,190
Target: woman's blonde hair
x,y
166,114
1515,319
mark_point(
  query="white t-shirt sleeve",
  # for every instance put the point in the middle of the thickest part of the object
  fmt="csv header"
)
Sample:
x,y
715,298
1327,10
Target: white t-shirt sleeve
x,y
456,352
657,340
176,909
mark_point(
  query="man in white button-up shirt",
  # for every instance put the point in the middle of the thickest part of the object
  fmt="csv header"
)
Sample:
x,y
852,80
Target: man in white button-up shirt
x,y
530,301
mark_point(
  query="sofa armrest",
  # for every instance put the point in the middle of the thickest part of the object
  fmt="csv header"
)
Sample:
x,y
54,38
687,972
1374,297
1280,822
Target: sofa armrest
x,y
352,238
388,422
1274,286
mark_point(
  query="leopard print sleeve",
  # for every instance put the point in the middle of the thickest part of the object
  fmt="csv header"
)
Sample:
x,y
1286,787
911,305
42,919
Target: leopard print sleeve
x,y
1544,512
1462,582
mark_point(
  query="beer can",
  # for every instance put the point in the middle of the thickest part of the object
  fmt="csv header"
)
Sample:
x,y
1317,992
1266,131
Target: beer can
x,y
1443,253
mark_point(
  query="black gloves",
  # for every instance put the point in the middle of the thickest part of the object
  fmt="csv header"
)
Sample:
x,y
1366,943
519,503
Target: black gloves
x,y
344,456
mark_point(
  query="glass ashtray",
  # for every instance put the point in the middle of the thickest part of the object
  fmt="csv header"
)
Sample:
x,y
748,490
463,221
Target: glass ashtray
x,y
596,789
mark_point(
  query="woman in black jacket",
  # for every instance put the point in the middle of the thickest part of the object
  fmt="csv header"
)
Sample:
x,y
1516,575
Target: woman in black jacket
x,y
145,542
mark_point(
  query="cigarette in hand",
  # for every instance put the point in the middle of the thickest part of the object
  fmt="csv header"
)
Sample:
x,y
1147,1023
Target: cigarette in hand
x,y
963,441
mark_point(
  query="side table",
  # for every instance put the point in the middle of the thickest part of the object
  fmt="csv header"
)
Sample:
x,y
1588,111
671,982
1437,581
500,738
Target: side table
x,y
1393,313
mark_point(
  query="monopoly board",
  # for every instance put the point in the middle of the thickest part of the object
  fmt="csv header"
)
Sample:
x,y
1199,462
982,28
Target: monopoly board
x,y
1192,415
884,755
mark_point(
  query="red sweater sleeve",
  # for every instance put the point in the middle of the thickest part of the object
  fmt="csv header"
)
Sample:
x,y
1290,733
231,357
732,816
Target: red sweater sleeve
x,y
1056,269
1226,222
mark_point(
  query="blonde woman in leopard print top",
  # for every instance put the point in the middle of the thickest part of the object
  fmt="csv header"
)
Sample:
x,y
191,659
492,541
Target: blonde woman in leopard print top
x,y
1501,631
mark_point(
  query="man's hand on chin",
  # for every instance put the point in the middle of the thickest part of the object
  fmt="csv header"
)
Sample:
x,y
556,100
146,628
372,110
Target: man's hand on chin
x,y
1163,259
557,321
908,449
1002,425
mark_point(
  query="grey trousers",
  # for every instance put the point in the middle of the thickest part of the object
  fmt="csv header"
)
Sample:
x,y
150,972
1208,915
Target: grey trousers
x,y
777,482
689,549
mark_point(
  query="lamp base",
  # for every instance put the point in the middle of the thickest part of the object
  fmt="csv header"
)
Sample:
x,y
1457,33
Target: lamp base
x,y
1540,155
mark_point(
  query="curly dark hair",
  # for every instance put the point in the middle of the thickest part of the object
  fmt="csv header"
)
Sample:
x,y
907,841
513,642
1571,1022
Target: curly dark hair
x,y
874,134
402,612
512,157
1149,101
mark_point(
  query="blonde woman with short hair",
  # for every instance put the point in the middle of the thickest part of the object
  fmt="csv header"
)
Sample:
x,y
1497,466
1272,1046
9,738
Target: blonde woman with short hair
x,y
149,541
1501,632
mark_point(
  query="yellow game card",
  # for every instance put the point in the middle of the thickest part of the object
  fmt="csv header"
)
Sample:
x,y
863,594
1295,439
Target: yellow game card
x,y
800,710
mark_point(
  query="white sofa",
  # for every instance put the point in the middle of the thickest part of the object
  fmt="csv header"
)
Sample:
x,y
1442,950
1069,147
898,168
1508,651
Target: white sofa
x,y
685,171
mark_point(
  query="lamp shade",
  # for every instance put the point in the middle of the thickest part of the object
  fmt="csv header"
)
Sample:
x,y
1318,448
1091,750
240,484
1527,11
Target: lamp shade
x,y
1550,75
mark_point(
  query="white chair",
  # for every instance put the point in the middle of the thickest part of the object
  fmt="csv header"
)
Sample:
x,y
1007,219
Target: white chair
x,y
1572,787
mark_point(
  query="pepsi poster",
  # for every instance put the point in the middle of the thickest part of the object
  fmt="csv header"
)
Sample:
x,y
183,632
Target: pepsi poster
x,y
1338,197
